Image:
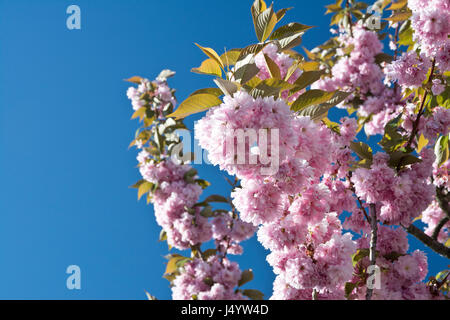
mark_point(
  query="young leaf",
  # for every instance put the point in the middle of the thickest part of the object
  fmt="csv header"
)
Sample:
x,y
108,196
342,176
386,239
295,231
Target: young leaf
x,y
135,79
216,198
273,67
288,30
422,143
306,78
253,294
230,57
212,54
194,104
214,91
441,150
280,13
362,150
246,276
264,24
311,97
144,188
226,86
209,66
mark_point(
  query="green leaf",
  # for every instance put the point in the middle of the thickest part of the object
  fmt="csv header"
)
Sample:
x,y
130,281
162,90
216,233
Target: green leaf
x,y
398,5
207,212
189,176
137,184
203,183
441,150
216,198
230,57
290,42
288,30
163,235
392,140
311,97
251,49
306,78
144,188
362,150
209,66
273,67
226,86
349,287
253,294
360,254
246,276
135,79
214,91
212,54
422,143
280,13
246,72
399,159
405,36
332,8
401,16
264,24
383,57
194,104
172,265
208,253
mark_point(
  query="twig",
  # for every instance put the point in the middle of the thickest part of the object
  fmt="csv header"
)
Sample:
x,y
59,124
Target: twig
x,y
373,244
422,105
439,227
429,242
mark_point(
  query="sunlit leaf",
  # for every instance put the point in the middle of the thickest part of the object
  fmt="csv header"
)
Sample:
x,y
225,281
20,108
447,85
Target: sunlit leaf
x,y
135,79
212,54
311,97
194,104
209,66
246,276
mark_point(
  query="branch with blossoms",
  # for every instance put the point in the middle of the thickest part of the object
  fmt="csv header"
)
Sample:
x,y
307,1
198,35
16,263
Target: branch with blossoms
x,y
174,189
306,180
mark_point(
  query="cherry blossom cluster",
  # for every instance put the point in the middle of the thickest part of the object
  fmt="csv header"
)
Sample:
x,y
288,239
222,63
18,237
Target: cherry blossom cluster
x,y
292,205
214,279
401,273
356,70
175,195
399,197
431,23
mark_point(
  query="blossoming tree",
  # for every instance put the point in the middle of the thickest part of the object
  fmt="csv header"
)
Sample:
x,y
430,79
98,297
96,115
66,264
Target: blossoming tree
x,y
334,214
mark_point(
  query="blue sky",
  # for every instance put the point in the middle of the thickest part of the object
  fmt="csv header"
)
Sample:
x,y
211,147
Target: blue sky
x,y
65,128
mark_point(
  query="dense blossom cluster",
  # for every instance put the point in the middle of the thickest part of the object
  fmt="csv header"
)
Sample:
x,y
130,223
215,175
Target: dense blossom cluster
x,y
431,23
174,198
410,70
401,273
292,205
213,279
432,216
356,69
399,197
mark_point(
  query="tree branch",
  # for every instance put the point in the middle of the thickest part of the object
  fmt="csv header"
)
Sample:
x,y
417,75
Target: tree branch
x,y
429,242
373,243
438,228
422,105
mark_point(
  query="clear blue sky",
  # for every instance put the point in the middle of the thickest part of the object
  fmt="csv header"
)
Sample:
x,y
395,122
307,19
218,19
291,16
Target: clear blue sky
x,y
65,127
